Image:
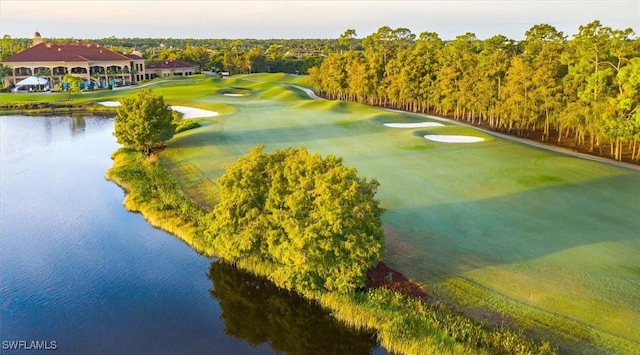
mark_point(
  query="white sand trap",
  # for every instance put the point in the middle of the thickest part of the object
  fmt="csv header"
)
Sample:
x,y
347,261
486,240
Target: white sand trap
x,y
453,139
109,103
187,112
413,125
192,112
234,95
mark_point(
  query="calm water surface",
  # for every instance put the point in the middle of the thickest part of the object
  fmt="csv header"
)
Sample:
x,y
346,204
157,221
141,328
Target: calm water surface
x,y
77,269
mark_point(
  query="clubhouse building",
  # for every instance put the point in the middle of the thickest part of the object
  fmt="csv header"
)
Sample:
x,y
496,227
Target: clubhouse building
x,y
169,67
98,66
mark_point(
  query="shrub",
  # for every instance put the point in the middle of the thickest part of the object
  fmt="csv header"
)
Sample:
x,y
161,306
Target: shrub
x,y
314,218
144,122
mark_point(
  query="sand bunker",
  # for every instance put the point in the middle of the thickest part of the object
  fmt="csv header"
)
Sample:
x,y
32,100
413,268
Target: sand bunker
x,y
234,95
109,103
413,125
187,112
309,93
453,139
192,112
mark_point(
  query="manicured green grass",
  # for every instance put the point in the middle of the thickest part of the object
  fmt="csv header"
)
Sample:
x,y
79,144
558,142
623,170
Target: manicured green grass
x,y
548,240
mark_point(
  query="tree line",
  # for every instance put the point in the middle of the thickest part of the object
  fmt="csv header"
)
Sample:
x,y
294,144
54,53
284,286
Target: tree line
x,y
586,88
232,55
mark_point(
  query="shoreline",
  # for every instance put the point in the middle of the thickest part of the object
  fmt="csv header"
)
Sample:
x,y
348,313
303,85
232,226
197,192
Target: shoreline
x,y
404,323
42,108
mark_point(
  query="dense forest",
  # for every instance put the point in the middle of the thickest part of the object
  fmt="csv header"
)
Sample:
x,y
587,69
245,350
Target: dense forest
x,y
586,89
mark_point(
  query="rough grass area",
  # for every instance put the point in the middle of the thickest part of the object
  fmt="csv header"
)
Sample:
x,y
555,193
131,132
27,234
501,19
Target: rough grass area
x,y
153,193
548,240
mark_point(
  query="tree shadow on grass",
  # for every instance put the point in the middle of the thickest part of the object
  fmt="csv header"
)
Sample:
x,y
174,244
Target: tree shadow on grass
x,y
440,242
285,134
455,238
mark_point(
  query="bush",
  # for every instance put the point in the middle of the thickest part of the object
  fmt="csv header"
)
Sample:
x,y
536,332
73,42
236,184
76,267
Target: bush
x,y
187,125
313,218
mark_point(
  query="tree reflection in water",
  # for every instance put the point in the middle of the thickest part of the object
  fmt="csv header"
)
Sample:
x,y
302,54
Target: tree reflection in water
x,y
78,124
257,311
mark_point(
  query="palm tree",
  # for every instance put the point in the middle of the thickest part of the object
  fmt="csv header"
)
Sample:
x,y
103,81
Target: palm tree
x,y
110,74
134,71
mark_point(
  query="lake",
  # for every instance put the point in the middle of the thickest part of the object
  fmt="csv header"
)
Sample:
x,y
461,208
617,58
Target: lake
x,y
79,272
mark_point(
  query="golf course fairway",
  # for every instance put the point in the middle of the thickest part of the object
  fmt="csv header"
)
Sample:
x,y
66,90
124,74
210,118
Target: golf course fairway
x,y
506,232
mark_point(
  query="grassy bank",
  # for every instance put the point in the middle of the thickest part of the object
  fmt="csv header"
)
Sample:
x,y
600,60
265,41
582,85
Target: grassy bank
x,y
47,108
404,325
152,192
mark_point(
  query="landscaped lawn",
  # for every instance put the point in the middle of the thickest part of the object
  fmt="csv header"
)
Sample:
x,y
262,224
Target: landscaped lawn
x,y
505,231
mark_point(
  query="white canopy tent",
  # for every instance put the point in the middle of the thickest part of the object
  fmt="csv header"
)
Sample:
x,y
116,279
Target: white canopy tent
x,y
34,82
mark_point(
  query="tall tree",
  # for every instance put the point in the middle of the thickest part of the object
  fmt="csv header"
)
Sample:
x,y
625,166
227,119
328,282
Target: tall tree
x,y
493,63
517,106
196,55
395,84
254,60
359,85
424,73
274,52
347,39
229,62
589,79
332,76
543,48
459,73
622,121
143,122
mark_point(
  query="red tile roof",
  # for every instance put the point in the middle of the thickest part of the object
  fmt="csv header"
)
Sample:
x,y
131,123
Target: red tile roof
x,y
133,56
65,52
170,64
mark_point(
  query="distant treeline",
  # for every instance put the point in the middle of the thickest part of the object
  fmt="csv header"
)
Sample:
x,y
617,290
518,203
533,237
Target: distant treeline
x,y
587,87
233,55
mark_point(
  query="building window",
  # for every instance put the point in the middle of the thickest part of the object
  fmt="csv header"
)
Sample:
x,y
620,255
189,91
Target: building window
x,y
78,70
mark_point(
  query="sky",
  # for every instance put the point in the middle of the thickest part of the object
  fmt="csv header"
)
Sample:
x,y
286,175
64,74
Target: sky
x,y
91,19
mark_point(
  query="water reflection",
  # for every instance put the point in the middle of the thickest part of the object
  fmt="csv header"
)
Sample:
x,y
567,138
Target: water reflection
x,y
77,268
255,310
78,124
